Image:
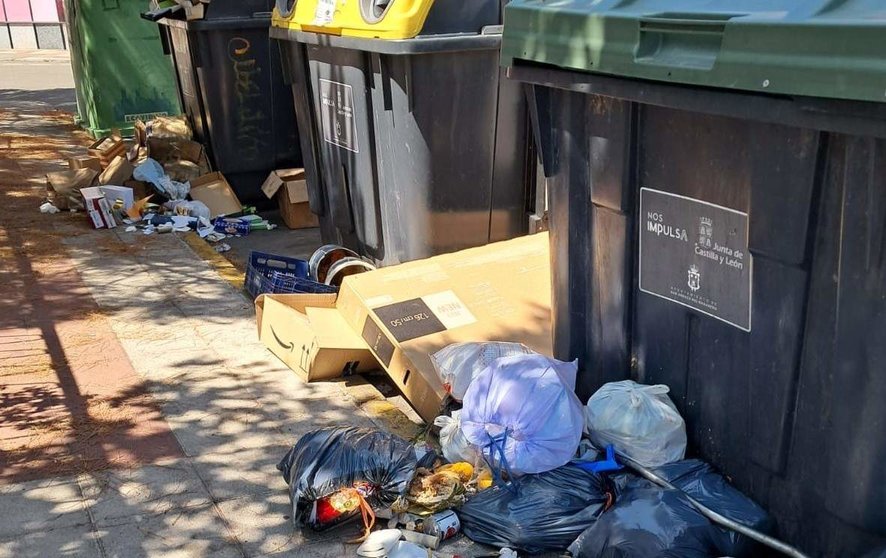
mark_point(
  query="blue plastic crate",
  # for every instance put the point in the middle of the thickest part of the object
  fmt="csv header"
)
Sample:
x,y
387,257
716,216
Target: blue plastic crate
x,y
270,273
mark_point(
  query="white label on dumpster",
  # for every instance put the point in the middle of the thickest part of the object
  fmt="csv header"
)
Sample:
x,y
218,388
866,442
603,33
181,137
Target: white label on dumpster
x,y
337,114
695,253
325,12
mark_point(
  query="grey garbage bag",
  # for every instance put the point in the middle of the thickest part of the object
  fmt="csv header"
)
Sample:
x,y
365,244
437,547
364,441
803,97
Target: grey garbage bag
x,y
325,461
672,528
542,512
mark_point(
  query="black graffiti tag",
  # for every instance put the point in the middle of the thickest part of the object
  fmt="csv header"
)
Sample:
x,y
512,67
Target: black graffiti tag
x,y
249,116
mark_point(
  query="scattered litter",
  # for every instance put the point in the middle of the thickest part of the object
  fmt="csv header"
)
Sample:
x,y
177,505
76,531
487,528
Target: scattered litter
x,y
459,363
149,230
439,490
540,433
443,525
640,421
189,209
211,236
421,539
131,228
507,553
379,544
453,442
406,549
234,227
545,513
222,248
48,208
165,228
138,208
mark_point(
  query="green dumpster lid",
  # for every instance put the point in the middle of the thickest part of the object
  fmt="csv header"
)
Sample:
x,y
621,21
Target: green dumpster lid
x,y
818,48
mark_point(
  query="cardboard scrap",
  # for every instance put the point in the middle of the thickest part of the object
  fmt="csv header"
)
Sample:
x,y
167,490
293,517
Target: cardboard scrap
x,y
137,211
118,172
63,187
214,191
106,149
77,163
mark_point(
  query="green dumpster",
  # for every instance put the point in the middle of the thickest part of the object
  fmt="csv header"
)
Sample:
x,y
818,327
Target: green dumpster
x,y
121,71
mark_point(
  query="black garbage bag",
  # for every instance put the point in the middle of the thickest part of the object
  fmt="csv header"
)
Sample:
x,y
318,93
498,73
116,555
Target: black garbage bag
x,y
649,523
542,512
328,460
700,481
681,529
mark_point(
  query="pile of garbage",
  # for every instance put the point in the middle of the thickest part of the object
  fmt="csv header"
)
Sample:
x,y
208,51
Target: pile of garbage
x,y
159,182
526,467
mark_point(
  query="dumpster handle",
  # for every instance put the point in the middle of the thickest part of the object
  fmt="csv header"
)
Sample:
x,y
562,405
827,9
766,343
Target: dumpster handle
x,y
664,39
721,520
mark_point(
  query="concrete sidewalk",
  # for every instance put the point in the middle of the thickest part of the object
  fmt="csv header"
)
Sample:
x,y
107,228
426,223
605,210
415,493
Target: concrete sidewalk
x,y
197,412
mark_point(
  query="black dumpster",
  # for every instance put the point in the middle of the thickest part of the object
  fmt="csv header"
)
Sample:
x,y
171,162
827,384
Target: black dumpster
x,y
717,185
418,146
231,85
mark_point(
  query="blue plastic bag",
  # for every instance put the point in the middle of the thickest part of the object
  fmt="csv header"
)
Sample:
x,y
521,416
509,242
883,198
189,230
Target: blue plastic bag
x,y
522,412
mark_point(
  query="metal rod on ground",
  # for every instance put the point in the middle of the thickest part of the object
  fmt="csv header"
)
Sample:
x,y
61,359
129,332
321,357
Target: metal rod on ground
x,y
771,542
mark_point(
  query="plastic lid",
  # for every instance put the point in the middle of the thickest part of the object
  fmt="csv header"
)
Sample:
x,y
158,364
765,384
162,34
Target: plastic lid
x,y
818,48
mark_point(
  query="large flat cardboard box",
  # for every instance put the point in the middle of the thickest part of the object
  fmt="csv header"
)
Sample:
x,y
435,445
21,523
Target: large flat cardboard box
x,y
291,188
405,313
311,337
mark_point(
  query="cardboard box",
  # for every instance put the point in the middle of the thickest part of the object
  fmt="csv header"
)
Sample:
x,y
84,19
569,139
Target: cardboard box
x,y
291,188
405,313
77,163
213,190
118,172
63,188
311,337
98,208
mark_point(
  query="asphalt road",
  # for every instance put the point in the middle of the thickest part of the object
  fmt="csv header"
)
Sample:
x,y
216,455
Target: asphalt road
x,y
37,75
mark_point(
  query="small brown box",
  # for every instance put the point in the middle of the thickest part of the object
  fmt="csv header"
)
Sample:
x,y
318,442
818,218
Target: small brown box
x,y
291,188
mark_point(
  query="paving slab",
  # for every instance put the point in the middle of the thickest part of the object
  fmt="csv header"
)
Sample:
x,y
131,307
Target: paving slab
x,y
59,542
178,533
40,505
148,490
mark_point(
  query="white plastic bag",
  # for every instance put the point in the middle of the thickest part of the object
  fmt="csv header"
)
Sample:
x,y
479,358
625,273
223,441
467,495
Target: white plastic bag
x,y
455,446
639,420
458,364
523,414
152,171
